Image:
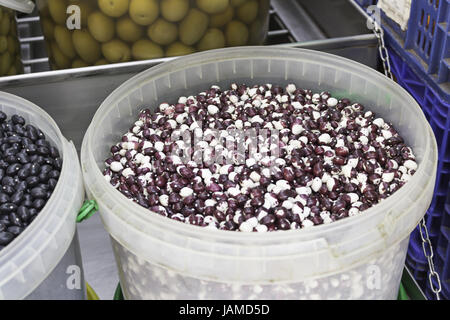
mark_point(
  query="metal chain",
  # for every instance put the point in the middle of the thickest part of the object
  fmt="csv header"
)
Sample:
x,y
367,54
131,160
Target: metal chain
x,y
426,242
429,255
384,54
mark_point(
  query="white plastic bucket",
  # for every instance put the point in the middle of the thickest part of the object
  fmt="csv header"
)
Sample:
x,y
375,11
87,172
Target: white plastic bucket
x,y
30,258
360,257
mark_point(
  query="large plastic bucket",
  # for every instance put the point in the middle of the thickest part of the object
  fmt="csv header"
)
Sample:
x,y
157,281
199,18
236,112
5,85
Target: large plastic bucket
x,y
44,261
360,257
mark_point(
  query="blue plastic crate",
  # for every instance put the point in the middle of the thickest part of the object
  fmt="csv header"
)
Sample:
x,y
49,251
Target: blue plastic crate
x,y
425,45
437,112
415,252
366,3
446,216
419,272
443,253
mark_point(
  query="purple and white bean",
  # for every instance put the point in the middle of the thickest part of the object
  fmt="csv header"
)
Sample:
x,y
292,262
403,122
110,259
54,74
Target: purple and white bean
x,y
332,159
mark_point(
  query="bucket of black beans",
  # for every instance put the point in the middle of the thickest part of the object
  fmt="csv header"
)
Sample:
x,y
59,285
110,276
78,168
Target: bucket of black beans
x,y
40,194
260,173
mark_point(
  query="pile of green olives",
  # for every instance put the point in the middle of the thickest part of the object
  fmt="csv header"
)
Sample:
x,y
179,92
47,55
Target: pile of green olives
x,y
10,63
114,31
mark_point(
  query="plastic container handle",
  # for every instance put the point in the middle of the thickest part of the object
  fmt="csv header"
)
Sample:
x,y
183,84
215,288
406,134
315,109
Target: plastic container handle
x,y
25,6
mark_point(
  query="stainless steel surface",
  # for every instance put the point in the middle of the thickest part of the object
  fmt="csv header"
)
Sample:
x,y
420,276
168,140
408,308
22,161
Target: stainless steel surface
x,y
302,27
66,281
98,258
72,97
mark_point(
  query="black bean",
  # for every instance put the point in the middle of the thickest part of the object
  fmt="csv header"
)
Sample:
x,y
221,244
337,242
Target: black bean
x,y
31,149
23,158
46,168
58,163
15,230
32,181
13,169
43,151
4,198
42,143
16,119
6,208
35,169
23,213
23,173
10,152
15,219
41,135
9,190
33,212
8,181
39,203
45,186
10,160
5,238
4,219
17,197
3,164
13,139
27,203
38,193
3,116
54,153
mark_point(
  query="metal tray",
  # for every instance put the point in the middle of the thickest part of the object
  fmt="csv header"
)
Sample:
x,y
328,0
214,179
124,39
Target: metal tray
x,y
72,96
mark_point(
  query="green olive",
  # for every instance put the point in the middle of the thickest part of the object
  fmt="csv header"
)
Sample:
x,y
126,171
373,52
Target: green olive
x,y
101,27
5,24
61,61
86,46
63,39
47,28
248,11
213,39
128,30
145,49
213,6
57,9
101,62
221,19
236,34
178,49
144,12
163,32
5,63
116,51
114,8
12,71
13,28
193,27
77,63
174,10
4,44
12,45
237,3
